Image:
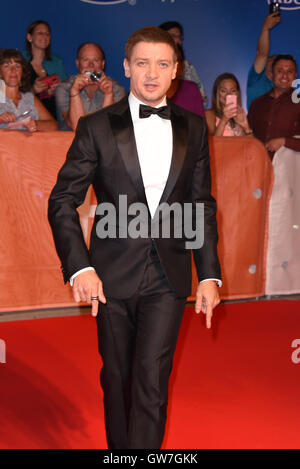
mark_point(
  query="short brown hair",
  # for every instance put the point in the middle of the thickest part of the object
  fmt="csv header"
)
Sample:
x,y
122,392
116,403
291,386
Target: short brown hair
x,y
284,57
150,34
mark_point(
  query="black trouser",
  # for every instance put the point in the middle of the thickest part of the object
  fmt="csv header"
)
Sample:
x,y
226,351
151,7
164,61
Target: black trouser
x,y
137,339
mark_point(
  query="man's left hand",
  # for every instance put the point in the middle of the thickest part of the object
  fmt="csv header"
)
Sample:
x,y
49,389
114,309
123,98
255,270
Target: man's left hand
x,y
207,297
275,143
105,85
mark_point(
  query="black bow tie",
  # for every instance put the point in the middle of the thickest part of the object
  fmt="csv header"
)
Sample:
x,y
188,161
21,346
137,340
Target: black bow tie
x,y
164,112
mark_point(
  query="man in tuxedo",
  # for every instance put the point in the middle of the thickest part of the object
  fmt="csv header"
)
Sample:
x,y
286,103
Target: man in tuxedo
x,y
153,153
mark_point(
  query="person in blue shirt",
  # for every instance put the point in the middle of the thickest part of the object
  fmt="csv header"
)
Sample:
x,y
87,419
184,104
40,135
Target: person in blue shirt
x,y
43,63
260,74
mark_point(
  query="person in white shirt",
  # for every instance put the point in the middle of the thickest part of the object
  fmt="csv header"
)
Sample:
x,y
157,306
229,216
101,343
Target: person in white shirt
x,y
154,154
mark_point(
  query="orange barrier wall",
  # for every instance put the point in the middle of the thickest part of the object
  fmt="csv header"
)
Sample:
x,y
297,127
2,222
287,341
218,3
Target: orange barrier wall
x,y
30,274
242,179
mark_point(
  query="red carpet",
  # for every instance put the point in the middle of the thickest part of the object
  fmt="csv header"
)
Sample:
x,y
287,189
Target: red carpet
x,y
235,386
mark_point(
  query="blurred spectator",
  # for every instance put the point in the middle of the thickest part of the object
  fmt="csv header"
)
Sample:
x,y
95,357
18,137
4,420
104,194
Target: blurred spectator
x,y
83,93
260,74
47,69
227,119
275,116
189,72
185,93
21,109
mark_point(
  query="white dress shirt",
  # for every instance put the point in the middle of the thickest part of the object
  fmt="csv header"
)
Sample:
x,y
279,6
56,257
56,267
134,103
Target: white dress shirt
x,y
154,141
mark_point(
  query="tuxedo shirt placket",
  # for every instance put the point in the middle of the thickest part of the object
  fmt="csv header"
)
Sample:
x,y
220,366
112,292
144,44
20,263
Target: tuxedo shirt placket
x,y
154,142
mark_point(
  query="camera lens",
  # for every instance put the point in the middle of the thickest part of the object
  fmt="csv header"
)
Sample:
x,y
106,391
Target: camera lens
x,y
95,76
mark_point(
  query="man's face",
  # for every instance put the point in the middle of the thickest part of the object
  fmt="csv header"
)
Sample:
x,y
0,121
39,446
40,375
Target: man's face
x,y
90,59
283,75
151,69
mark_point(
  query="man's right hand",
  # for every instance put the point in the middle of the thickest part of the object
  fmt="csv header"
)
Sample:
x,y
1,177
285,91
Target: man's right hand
x,y
81,81
87,285
271,20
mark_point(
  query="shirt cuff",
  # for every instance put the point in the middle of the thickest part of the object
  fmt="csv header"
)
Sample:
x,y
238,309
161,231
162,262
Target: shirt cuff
x,y
218,281
79,272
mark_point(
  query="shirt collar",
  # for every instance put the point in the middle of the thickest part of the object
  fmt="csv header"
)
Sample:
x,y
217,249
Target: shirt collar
x,y
286,93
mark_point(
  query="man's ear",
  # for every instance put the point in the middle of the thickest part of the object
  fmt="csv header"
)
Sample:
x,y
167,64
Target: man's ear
x,y
174,71
77,63
126,68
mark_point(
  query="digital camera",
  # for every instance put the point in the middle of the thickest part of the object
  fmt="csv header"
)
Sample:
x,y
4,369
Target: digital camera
x,y
94,76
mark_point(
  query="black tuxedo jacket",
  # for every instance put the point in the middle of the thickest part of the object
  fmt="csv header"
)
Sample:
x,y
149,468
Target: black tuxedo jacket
x,y
104,154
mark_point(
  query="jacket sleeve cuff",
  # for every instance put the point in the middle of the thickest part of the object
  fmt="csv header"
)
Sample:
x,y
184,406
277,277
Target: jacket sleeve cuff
x,y
79,272
218,282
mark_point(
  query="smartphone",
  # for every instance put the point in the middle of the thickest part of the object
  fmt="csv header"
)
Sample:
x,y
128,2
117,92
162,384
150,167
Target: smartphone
x,y
231,99
49,81
275,7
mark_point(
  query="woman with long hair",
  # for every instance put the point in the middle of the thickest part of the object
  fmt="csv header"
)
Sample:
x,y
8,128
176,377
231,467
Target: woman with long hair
x,y
226,117
47,69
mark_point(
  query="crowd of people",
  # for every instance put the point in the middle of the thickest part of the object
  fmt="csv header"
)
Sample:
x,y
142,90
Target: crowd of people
x,y
40,96
140,319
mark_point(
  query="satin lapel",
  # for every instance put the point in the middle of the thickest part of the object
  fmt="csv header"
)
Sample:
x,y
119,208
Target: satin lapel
x,y
180,137
122,127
